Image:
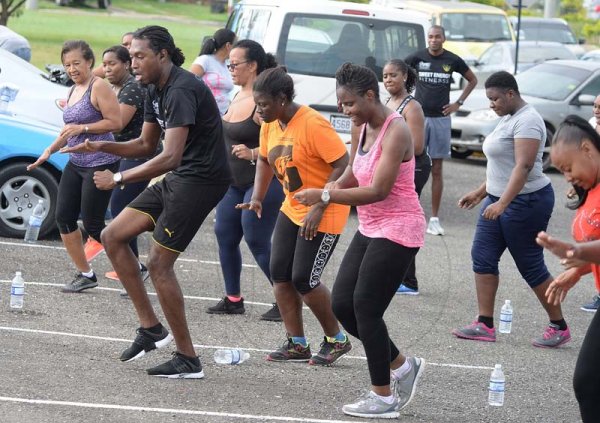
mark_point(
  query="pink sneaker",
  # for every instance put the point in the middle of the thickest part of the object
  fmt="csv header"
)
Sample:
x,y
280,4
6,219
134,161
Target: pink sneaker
x,y
552,337
476,331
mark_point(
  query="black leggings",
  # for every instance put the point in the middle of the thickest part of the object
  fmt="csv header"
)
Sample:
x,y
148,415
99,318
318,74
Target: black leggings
x,y
586,380
125,194
77,194
366,283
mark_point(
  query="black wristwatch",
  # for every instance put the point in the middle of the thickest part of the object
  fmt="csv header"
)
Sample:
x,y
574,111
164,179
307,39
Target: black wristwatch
x,y
460,102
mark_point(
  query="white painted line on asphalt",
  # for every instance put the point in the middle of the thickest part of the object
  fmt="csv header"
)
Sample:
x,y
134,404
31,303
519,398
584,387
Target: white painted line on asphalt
x,y
185,260
169,410
213,347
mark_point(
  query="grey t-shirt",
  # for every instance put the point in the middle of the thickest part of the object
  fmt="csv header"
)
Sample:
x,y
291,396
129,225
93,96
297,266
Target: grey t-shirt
x,y
499,148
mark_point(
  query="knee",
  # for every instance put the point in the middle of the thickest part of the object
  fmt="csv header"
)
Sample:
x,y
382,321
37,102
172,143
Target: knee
x,y
482,263
304,284
341,309
94,227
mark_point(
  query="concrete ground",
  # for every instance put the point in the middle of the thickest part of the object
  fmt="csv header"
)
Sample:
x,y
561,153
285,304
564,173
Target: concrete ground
x,y
59,355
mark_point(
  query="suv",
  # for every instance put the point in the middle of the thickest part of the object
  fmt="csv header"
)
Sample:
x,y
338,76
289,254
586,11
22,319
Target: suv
x,y
313,38
552,29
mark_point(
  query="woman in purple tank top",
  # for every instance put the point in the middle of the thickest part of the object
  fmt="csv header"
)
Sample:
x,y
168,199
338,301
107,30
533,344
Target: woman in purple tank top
x,y
380,182
92,112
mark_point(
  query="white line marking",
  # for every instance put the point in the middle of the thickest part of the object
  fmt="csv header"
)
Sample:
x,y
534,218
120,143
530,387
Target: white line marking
x,y
170,410
185,260
212,347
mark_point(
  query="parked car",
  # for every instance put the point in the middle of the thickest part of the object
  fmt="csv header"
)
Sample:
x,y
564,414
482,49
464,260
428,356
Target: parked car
x,y
102,4
593,55
556,89
312,38
38,97
549,29
15,43
23,140
501,57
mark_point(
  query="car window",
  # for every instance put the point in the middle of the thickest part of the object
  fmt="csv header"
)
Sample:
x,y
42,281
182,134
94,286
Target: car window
x,y
535,53
495,56
476,27
318,45
249,23
559,81
547,32
592,87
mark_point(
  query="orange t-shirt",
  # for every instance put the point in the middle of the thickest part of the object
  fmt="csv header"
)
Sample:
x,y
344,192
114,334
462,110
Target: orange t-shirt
x,y
300,156
586,225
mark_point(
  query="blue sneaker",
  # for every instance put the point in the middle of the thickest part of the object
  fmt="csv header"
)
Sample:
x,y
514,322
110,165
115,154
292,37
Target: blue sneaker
x,y
405,290
592,306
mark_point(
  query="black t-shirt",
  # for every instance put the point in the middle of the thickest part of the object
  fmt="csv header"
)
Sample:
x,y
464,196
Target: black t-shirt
x,y
186,101
132,94
434,78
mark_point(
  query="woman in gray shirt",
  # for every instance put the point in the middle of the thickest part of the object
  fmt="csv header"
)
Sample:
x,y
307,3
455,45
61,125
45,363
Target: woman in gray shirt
x,y
517,204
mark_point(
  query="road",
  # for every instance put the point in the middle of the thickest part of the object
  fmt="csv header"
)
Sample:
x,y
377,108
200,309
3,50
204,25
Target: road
x,y
59,356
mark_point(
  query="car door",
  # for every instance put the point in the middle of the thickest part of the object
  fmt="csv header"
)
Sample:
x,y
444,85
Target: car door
x,y
591,87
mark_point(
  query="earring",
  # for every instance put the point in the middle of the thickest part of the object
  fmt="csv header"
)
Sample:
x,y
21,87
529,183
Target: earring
x,y
283,103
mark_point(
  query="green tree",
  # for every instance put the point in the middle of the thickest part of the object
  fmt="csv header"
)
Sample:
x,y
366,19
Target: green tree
x,y
9,8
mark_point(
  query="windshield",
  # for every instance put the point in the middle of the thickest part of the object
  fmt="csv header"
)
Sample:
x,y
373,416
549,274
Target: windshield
x,y
318,45
480,27
532,54
556,33
559,81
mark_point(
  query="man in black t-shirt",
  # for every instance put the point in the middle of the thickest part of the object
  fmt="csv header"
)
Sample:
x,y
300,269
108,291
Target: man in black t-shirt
x,y
434,67
173,209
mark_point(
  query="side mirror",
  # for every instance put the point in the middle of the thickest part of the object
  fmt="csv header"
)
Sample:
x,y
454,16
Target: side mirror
x,y
581,40
586,100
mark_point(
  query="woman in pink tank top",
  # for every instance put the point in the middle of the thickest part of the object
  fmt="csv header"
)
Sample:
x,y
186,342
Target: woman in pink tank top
x,y
380,182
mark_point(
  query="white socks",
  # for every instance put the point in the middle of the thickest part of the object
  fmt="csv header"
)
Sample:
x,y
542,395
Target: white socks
x,y
402,370
88,274
387,400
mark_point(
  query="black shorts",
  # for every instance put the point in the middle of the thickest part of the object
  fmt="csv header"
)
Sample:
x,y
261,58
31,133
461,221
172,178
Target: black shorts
x,y
177,210
295,259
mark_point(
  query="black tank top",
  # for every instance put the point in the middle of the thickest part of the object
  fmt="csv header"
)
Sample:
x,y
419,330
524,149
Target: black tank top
x,y
245,132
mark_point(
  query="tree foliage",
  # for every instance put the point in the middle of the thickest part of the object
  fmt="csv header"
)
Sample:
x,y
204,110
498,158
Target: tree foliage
x,y
9,8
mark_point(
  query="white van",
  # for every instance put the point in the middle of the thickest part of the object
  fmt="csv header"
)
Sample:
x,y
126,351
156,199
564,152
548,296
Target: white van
x,y
313,38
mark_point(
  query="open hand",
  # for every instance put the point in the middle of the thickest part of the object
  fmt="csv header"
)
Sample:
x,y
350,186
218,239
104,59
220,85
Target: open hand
x,y
253,205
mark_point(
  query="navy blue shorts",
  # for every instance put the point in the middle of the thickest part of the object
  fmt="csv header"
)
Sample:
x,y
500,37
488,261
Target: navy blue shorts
x,y
515,229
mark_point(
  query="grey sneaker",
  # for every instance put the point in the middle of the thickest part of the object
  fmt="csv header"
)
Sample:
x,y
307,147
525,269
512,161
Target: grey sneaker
x,y
552,337
370,406
80,283
405,387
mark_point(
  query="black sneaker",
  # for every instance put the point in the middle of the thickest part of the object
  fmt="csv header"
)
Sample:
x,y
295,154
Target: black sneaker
x,y
80,283
226,306
145,277
144,342
273,315
179,367
330,352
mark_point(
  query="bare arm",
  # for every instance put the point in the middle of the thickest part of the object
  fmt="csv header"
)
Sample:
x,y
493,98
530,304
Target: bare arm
x,y
471,84
127,113
415,119
197,70
105,100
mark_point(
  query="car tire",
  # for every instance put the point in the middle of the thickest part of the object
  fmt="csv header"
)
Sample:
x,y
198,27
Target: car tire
x,y
460,152
546,163
103,4
19,193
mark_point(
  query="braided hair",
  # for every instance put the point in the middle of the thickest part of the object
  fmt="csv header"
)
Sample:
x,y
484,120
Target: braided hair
x,y
358,79
159,39
275,81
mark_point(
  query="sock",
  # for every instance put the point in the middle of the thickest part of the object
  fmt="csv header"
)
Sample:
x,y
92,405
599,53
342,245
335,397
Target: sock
x,y
234,299
434,219
402,370
300,340
340,337
89,274
387,400
562,325
488,321
156,329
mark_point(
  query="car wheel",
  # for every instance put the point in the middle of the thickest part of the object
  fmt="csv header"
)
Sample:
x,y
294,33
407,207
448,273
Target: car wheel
x,y
103,4
460,152
546,163
20,191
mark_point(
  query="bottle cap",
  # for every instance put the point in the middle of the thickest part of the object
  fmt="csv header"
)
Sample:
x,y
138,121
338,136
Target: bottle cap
x,y
498,367
17,273
506,301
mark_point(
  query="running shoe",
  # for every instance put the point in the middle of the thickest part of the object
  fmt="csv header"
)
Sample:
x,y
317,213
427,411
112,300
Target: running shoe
x,y
476,331
404,388
273,315
226,306
552,337
592,306
92,248
405,290
144,342
179,367
80,283
290,351
434,227
371,406
330,352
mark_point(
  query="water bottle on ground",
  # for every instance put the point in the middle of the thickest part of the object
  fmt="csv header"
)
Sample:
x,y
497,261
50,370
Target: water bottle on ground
x,y
506,316
231,356
17,289
35,222
497,382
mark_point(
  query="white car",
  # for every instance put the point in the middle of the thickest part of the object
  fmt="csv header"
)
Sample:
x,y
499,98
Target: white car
x,y
38,97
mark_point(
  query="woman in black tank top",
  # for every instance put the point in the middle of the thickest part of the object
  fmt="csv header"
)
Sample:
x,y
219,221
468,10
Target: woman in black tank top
x,y
399,80
241,129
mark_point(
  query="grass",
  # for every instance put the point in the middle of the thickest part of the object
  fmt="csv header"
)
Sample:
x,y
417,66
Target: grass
x,y
47,28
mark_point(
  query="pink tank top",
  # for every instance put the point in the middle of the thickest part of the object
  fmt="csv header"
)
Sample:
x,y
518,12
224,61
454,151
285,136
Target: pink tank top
x,y
399,217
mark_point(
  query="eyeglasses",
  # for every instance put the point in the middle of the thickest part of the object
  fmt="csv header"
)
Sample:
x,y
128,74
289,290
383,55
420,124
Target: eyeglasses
x,y
232,66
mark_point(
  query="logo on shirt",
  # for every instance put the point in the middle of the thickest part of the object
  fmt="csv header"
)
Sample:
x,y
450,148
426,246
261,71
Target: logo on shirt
x,y
447,68
156,109
170,233
424,65
280,158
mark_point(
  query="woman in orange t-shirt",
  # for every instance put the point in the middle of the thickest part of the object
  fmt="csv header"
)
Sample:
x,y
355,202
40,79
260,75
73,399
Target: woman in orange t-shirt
x,y
302,150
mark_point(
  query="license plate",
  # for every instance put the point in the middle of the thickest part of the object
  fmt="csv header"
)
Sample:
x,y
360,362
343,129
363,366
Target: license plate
x,y
341,124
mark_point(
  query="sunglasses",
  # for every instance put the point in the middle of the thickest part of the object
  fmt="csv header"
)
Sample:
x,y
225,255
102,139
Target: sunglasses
x,y
232,66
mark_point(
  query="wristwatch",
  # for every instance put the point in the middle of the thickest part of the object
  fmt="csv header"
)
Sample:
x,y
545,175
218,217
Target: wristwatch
x,y
325,197
460,102
86,129
118,178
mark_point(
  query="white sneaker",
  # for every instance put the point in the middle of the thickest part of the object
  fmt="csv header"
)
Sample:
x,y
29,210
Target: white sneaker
x,y
434,227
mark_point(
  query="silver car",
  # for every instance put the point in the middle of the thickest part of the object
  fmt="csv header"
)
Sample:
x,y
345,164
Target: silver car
x,y
556,89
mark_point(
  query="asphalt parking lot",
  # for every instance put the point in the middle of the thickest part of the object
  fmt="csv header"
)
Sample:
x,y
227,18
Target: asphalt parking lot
x,y
59,355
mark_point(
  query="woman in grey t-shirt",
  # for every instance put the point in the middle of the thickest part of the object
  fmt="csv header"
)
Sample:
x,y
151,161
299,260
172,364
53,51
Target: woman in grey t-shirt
x,y
517,204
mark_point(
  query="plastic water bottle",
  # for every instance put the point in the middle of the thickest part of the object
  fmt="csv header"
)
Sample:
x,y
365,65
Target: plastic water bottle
x,y
506,316
35,222
17,289
231,356
497,382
